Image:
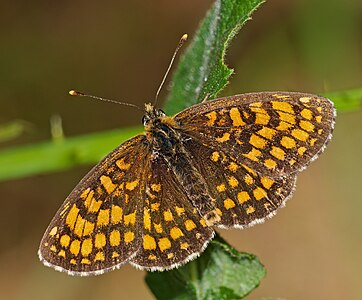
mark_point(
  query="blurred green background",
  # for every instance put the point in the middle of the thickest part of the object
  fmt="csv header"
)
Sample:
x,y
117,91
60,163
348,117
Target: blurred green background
x,y
120,50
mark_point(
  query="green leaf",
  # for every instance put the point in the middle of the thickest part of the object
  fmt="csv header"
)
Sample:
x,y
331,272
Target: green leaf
x,y
202,72
54,156
221,272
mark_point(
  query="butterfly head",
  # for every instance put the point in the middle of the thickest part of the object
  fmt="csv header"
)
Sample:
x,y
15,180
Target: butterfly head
x,y
151,113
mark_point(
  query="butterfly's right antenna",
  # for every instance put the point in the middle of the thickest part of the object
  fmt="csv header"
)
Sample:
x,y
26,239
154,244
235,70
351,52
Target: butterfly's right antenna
x,y
180,43
76,93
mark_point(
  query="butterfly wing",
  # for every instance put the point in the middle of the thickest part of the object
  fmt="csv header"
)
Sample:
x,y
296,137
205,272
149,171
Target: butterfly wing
x,y
241,196
173,232
131,206
249,148
273,133
98,227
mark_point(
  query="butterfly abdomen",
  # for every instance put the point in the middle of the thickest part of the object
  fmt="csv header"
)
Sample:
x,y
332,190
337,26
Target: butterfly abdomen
x,y
167,142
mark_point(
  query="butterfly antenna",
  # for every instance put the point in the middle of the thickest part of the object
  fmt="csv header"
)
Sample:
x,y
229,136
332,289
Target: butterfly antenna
x,y
180,43
79,94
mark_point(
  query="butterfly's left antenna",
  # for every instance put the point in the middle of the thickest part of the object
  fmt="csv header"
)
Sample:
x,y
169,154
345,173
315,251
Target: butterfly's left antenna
x,y
180,43
76,93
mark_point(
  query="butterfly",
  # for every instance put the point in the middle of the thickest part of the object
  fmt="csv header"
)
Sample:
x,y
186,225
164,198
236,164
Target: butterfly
x,y
156,200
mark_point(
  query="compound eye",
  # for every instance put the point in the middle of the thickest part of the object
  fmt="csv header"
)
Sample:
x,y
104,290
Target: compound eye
x,y
161,112
145,120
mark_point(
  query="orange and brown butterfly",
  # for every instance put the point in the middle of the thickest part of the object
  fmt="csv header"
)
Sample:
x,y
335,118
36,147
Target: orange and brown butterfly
x,y
156,200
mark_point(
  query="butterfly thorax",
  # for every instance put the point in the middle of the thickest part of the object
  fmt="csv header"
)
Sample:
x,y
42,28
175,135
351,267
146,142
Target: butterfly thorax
x,y
160,131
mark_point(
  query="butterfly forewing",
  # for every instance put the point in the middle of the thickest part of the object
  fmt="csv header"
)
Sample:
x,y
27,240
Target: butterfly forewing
x,y
99,225
274,133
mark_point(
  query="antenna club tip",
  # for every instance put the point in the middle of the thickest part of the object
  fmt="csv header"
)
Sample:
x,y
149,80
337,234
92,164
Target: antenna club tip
x,y
75,93
184,37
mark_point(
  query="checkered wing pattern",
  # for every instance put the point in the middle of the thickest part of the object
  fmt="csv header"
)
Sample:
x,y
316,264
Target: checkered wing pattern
x,y
275,134
155,200
99,226
241,196
173,230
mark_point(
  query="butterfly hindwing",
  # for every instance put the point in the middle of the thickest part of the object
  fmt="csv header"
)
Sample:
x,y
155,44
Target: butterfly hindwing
x,y
173,230
240,195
